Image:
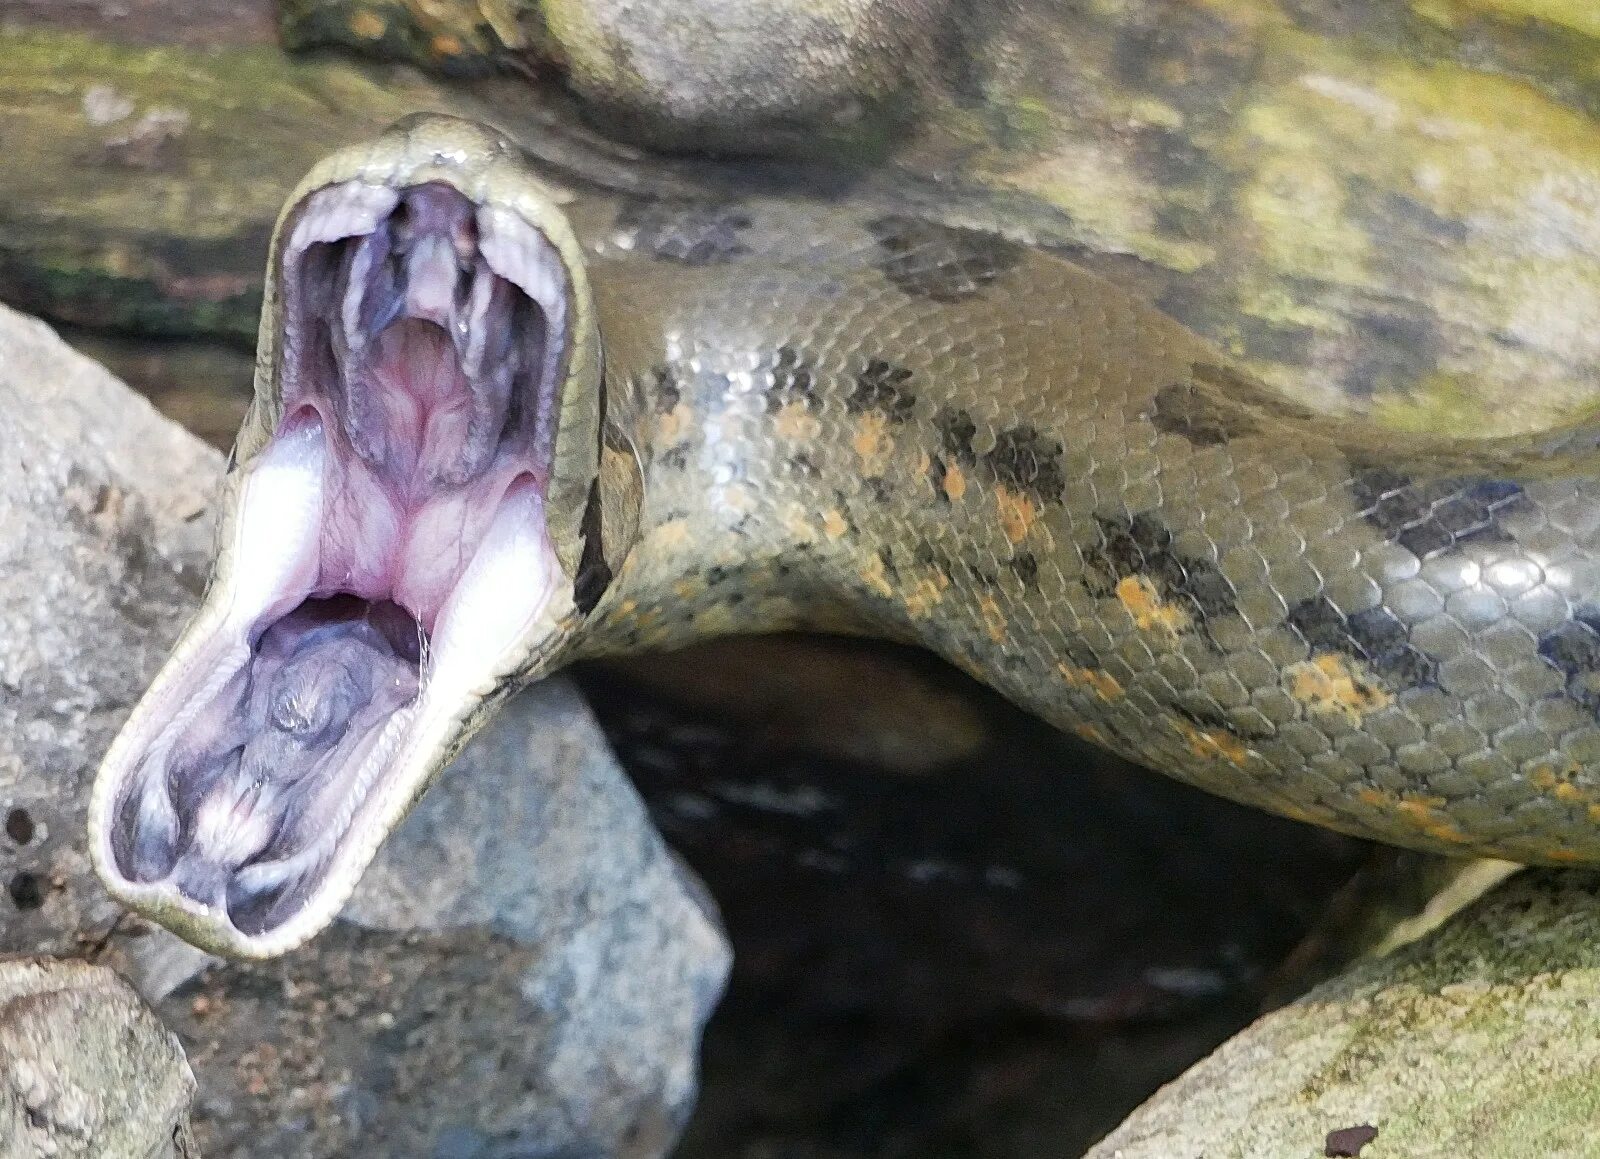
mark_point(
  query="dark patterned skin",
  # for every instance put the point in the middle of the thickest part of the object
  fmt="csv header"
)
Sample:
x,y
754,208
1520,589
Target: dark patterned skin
x,y
853,417
889,426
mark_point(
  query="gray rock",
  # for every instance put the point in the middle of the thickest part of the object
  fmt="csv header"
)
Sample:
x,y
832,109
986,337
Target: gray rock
x,y
528,967
1477,1040
86,1069
104,529
773,77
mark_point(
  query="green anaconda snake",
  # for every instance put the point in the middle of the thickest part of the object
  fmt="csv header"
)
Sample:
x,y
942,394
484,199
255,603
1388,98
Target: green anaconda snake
x,y
493,433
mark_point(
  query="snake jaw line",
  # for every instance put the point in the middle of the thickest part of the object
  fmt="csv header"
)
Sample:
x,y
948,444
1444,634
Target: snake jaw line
x,y
387,565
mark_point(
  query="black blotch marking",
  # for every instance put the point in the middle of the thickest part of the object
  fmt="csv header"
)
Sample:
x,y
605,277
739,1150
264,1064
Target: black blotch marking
x,y
1142,546
923,554
676,459
1432,516
1574,650
881,385
1188,412
1026,567
19,826
982,576
804,466
27,890
1025,460
594,574
793,379
887,556
936,473
690,233
1375,635
879,489
945,263
663,387
956,432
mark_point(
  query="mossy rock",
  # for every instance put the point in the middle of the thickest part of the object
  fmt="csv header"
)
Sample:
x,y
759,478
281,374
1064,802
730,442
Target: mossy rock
x,y
1477,1040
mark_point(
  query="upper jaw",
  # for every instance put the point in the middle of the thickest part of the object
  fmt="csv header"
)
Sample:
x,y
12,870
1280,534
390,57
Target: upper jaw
x,y
295,724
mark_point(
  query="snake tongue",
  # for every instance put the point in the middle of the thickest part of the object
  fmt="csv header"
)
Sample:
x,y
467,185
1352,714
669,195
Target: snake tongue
x,y
385,563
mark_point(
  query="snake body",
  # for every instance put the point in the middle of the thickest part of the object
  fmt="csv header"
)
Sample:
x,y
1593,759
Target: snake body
x,y
864,420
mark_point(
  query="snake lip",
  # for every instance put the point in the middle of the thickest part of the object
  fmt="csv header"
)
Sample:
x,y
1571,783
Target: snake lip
x,y
384,560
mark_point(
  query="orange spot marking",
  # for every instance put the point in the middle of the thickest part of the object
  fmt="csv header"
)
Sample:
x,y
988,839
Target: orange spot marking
x,y
955,483
1594,814
795,421
929,591
834,523
1149,611
1210,744
1337,686
445,44
1565,855
1017,513
687,588
1089,733
876,578
674,425
1370,796
1544,777
1570,793
1102,684
872,443
368,25
672,534
994,620
1425,814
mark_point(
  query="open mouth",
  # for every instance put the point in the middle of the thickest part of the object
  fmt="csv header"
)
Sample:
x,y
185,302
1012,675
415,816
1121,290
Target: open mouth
x,y
386,560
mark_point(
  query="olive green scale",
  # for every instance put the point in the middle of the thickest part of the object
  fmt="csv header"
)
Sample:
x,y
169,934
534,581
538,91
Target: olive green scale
x,y
877,423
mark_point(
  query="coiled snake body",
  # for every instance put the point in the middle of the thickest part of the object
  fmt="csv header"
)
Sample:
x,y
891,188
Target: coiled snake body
x,y
878,423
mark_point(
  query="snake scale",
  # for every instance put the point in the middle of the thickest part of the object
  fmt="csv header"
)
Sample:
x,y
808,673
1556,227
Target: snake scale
x,y
775,412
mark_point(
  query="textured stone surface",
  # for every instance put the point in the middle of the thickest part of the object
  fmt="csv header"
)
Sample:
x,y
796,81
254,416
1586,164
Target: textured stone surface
x,y
86,1069
103,534
535,965
1478,1040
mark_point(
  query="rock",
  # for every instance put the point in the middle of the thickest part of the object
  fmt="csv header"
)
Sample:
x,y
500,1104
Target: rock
x,y
532,967
780,76
1477,1040
769,78
86,1069
104,533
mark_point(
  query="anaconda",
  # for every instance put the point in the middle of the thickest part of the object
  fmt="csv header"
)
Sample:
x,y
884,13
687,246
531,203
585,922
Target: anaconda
x,y
497,429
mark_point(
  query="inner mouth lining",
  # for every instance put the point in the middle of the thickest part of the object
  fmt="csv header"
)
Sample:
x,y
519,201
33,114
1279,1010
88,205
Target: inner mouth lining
x,y
422,349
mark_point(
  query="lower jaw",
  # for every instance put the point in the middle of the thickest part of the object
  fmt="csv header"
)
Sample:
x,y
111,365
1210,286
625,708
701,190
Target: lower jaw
x,y
480,637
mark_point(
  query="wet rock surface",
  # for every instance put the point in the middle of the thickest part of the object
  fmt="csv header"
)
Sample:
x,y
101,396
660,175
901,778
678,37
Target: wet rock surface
x,y
86,1069
531,965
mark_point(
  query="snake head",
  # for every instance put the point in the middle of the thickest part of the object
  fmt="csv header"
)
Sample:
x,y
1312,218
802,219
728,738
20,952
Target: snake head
x,y
405,538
